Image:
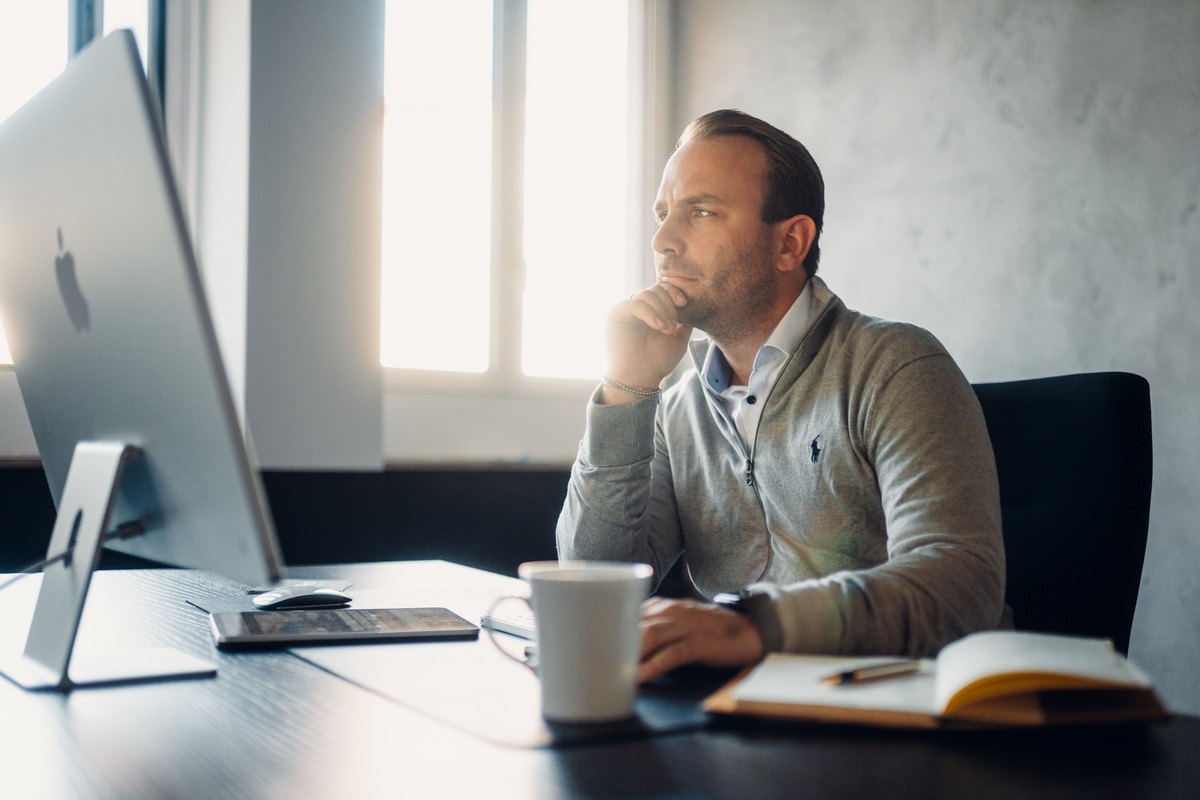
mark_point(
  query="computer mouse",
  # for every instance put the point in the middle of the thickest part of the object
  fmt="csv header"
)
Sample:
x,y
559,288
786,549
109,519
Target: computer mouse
x,y
301,596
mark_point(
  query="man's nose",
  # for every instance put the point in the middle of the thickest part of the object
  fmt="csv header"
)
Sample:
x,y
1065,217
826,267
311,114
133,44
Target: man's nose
x,y
666,240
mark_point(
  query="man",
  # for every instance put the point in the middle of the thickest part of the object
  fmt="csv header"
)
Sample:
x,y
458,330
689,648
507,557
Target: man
x,y
832,468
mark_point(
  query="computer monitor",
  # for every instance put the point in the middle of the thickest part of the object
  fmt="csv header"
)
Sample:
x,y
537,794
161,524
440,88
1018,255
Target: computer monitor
x,y
115,353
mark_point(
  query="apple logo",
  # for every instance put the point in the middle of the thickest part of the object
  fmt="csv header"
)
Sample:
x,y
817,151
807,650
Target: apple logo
x,y
68,286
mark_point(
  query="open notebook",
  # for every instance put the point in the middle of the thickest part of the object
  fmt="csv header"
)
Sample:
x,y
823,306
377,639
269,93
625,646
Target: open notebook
x,y
996,678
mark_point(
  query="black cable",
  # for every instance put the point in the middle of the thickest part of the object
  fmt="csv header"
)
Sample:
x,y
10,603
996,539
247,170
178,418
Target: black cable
x,y
33,568
126,530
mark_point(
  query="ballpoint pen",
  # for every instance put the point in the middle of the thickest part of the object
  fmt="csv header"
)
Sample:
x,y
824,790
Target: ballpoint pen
x,y
874,672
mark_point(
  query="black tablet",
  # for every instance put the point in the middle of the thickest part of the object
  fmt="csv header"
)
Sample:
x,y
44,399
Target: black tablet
x,y
336,625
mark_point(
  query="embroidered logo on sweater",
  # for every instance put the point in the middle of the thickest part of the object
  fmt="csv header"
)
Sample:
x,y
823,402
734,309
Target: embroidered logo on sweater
x,y
816,451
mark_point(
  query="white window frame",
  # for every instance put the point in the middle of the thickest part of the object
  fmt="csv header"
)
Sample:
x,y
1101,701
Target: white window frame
x,y
504,377
502,416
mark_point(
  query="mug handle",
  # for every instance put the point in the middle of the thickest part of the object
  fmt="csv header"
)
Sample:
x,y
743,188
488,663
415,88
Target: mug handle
x,y
530,660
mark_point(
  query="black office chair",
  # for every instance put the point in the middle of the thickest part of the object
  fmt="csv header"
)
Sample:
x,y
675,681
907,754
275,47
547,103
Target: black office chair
x,y
1075,461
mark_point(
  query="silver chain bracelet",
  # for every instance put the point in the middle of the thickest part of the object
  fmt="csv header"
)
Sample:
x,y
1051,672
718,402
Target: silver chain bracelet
x,y
633,390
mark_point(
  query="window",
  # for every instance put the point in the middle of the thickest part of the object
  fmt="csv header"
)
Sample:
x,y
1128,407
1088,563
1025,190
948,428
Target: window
x,y
507,187
436,186
576,184
34,41
33,49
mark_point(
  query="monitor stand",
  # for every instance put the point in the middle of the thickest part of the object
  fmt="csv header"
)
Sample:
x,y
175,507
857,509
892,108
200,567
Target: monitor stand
x,y
83,518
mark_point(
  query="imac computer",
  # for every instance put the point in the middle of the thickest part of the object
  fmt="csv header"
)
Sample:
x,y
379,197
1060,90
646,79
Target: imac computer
x,y
117,360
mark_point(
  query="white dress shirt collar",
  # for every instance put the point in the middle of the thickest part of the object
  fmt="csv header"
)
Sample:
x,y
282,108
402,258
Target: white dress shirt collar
x,y
744,402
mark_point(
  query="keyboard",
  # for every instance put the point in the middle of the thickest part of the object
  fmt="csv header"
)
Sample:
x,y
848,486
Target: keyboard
x,y
518,621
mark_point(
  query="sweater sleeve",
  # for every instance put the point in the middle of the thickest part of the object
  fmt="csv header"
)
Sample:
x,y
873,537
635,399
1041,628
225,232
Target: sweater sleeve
x,y
923,431
620,503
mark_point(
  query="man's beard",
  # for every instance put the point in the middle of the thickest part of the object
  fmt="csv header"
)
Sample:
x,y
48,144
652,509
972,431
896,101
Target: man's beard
x,y
736,301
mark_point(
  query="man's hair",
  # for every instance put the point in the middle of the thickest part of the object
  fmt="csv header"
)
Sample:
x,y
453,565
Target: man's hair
x,y
794,183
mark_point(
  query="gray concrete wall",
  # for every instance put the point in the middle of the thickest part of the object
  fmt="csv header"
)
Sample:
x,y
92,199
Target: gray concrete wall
x,y
1020,177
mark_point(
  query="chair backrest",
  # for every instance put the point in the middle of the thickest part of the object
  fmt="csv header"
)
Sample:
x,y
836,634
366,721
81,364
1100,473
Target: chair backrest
x,y
1075,461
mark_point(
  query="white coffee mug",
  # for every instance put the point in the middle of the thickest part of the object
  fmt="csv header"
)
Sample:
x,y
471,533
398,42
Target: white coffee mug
x,y
588,620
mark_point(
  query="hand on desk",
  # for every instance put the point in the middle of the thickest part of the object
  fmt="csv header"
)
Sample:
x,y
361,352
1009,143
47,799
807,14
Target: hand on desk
x,y
680,632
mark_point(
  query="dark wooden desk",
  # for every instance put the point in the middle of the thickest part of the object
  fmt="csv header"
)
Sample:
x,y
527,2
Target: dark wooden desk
x,y
271,725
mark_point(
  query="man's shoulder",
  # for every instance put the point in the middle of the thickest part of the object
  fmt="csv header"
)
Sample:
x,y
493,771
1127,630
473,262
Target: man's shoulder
x,y
846,327
864,336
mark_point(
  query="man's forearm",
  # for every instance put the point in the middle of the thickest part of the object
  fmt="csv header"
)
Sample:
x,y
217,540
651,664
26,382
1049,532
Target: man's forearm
x,y
606,514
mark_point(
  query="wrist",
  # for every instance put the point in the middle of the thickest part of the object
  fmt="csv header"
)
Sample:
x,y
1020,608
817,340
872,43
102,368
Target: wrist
x,y
632,390
758,606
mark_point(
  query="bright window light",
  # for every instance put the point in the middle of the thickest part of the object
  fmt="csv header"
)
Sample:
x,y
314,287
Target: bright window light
x,y
132,14
554,280
437,186
576,191
33,50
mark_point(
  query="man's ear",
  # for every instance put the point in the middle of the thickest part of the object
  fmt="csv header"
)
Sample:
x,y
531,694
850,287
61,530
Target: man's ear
x,y
796,237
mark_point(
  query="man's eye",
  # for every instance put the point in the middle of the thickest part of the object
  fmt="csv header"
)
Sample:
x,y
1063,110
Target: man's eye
x,y
703,212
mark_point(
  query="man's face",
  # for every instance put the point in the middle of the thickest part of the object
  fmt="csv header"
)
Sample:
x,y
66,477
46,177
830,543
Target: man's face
x,y
711,241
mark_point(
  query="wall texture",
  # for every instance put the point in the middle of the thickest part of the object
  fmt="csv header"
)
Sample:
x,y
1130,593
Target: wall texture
x,y
1023,179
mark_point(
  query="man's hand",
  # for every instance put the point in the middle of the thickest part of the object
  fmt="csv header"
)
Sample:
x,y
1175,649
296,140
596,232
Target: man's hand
x,y
645,339
679,632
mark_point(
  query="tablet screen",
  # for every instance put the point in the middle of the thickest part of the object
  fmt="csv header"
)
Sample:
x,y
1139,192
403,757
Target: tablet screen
x,y
331,625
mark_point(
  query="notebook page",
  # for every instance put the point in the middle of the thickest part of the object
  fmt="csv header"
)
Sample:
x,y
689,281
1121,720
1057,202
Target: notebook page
x,y
797,680
1003,662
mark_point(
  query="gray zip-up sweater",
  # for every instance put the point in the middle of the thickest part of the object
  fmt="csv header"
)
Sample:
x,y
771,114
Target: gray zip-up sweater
x,y
868,511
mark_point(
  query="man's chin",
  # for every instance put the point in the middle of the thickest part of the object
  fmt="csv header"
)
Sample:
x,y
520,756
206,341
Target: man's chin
x,y
692,315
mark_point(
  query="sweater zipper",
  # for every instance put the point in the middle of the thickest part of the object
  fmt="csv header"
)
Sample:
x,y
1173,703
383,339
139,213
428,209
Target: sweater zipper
x,y
750,459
